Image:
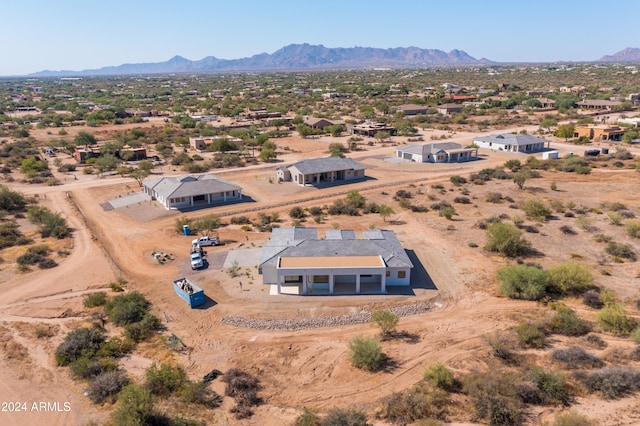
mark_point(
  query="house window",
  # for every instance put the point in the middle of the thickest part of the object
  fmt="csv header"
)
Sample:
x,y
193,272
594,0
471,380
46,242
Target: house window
x,y
388,273
321,278
402,274
292,279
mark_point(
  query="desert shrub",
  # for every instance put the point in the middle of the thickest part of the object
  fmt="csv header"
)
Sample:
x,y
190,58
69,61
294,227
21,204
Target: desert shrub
x,y
503,347
565,321
633,228
366,353
89,368
50,223
440,205
165,379
135,407
552,386
11,200
106,386
495,397
387,321
421,401
462,200
536,210
615,218
127,309
419,208
47,263
612,382
243,387
613,318
345,417
296,213
81,342
570,277
438,375
592,299
621,250
29,258
240,220
115,347
95,299
523,282
458,180
485,222
602,238
595,341
447,212
572,419
567,230
402,193
635,335
309,417
531,335
494,197
315,211
141,330
576,357
506,239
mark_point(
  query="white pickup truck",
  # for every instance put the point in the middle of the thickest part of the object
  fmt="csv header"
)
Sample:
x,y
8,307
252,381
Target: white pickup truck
x,y
206,241
196,261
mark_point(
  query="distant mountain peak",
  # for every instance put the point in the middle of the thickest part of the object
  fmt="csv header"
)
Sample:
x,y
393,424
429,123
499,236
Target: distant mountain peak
x,y
296,57
630,54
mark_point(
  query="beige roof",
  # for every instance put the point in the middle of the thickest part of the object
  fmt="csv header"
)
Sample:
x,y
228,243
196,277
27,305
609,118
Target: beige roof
x,y
331,262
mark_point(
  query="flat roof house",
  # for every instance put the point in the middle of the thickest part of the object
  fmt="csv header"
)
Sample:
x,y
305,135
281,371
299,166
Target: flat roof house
x,y
321,123
296,261
412,109
191,190
450,108
511,142
599,132
598,104
445,152
316,171
370,129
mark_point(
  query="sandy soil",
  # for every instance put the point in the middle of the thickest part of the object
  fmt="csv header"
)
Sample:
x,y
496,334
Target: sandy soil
x,y
305,368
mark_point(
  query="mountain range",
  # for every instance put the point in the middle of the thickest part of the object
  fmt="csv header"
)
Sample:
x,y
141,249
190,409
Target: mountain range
x,y
298,57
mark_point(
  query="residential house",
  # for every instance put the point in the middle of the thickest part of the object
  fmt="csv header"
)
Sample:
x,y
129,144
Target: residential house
x,y
599,104
546,103
296,261
635,122
318,171
445,152
511,142
133,153
450,108
412,109
321,123
83,152
202,143
191,191
370,128
599,132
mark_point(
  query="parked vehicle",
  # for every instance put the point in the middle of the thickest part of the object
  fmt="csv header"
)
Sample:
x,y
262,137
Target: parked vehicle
x,y
196,261
206,241
189,292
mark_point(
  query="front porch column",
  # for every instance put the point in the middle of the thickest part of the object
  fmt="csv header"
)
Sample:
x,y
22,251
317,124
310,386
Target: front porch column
x,y
304,284
224,196
358,283
280,278
383,282
191,198
208,198
331,284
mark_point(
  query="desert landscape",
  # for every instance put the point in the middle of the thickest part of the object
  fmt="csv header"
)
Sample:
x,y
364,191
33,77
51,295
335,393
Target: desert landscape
x,y
454,313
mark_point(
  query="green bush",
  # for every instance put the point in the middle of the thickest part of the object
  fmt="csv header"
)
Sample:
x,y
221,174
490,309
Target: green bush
x,y
309,417
345,417
199,393
366,353
569,278
387,321
457,180
127,309
536,210
531,335
613,318
523,282
592,299
621,250
495,397
141,330
438,375
89,368
95,299
635,335
506,239
633,228
566,322
81,342
552,386
135,407
165,379
296,213
106,386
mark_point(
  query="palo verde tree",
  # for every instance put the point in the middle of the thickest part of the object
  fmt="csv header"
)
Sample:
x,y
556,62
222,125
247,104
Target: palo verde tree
x,y
387,321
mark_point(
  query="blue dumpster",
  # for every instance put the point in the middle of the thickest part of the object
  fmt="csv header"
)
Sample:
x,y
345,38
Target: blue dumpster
x,y
186,230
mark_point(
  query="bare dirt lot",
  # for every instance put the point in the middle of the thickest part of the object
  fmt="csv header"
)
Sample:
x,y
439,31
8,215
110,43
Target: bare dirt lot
x,y
306,368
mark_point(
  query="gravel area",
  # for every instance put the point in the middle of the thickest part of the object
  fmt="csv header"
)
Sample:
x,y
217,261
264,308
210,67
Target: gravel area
x,y
328,321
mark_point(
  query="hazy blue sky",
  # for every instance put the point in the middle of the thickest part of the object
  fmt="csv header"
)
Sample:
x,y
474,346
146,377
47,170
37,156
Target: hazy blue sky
x,y
86,34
